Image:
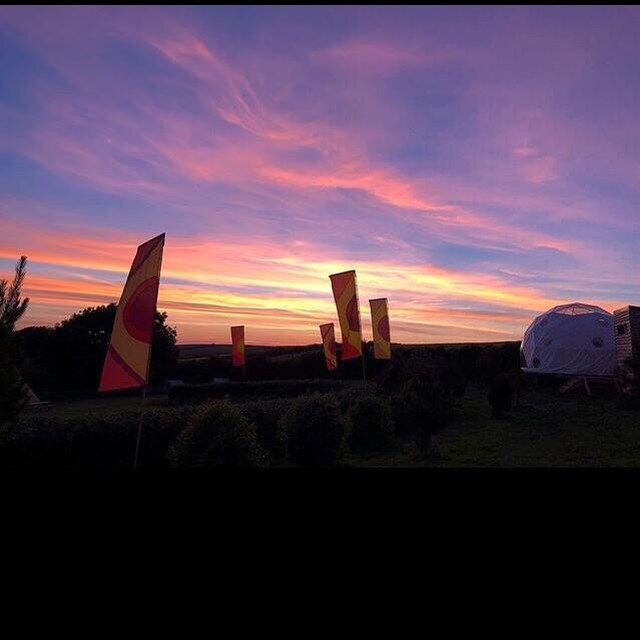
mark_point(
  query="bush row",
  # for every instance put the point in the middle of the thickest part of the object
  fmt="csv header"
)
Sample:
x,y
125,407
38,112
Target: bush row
x,y
90,441
310,430
190,393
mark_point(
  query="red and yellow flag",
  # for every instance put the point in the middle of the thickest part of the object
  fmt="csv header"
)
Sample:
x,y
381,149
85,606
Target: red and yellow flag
x,y
329,343
345,293
237,346
126,364
380,324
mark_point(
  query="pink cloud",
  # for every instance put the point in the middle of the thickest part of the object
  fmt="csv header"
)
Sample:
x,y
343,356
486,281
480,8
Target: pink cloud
x,y
367,56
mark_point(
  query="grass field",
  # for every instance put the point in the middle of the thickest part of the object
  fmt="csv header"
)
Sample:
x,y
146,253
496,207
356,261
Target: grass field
x,y
546,430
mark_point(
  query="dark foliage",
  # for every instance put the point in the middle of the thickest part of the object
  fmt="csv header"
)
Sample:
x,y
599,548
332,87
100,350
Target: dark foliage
x,y
91,441
417,363
422,383
630,376
68,358
201,370
218,434
299,365
496,359
12,394
500,395
265,415
452,380
254,390
12,307
12,304
371,425
315,431
628,402
421,409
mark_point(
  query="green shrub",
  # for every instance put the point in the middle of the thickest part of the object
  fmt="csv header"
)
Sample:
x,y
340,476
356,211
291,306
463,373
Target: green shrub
x,y
265,415
347,395
40,442
421,409
495,359
109,441
500,395
315,430
371,426
453,380
628,402
218,434
90,441
267,389
418,363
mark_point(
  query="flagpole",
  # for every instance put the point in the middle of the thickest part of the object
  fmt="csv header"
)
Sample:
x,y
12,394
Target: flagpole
x,y
142,405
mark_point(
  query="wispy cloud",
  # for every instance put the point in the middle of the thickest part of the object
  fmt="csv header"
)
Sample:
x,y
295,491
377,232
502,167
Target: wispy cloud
x,y
472,186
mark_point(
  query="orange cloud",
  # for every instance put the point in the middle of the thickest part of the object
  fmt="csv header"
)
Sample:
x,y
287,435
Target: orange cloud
x,y
275,290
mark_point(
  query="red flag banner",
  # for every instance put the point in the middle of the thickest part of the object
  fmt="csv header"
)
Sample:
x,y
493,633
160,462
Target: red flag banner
x,y
237,346
345,293
380,325
329,344
126,364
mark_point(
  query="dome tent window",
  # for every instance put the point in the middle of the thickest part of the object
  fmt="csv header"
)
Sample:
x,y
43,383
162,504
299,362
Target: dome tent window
x,y
571,339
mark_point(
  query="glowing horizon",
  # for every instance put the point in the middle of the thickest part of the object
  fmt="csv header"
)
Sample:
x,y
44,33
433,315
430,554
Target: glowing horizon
x,y
475,166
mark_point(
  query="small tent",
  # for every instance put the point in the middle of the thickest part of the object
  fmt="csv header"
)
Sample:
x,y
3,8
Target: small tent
x,y
33,402
573,339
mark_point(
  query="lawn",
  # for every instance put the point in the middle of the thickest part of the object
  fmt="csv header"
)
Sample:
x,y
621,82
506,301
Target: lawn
x,y
547,430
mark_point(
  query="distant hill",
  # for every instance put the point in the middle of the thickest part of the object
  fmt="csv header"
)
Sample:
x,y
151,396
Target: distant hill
x,y
195,351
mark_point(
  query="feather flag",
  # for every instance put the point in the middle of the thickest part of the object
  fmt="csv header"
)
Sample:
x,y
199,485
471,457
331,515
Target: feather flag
x,y
345,293
329,344
380,325
126,364
237,346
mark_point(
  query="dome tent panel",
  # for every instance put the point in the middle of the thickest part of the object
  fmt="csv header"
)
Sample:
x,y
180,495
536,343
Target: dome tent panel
x,y
571,339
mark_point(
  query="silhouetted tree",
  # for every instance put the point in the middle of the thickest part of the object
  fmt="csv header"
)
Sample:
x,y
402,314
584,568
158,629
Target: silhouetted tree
x,y
69,357
500,395
12,307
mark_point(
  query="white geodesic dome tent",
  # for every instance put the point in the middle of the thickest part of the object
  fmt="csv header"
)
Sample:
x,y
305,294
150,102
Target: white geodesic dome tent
x,y
571,339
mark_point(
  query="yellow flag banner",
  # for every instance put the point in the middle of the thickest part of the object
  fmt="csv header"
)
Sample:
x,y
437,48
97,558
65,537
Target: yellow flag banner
x,y
380,324
237,346
126,364
345,293
329,344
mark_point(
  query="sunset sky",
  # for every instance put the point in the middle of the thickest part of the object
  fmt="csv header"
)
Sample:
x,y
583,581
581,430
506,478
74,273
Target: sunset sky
x,y
475,165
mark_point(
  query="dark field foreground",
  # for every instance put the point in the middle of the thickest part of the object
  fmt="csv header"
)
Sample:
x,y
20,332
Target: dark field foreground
x,y
545,430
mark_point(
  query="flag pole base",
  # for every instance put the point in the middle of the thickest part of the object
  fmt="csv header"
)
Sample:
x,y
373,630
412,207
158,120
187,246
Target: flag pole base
x,y
139,438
